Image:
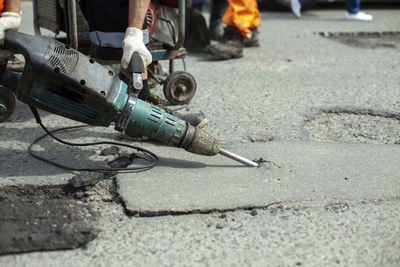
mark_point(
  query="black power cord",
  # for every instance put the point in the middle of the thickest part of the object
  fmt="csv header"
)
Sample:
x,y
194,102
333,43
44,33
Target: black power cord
x,y
121,170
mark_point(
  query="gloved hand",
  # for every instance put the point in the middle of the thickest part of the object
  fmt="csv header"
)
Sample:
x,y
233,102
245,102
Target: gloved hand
x,y
8,21
133,42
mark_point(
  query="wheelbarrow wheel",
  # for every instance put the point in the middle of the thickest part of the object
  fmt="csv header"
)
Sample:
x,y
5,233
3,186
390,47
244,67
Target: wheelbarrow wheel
x,y
179,87
7,104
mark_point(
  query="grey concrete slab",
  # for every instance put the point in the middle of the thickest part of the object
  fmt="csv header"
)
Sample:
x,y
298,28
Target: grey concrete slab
x,y
297,171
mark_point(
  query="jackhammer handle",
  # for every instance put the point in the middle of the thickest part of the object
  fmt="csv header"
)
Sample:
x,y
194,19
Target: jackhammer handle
x,y
136,65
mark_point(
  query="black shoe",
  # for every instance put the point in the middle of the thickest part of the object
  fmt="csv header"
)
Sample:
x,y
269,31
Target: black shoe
x,y
254,41
231,46
195,119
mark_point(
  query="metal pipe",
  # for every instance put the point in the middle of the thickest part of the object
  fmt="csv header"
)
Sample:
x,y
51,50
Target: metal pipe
x,y
181,27
238,158
182,18
171,66
72,24
36,28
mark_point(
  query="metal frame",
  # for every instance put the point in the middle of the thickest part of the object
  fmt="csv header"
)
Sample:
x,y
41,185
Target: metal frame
x,y
181,26
72,24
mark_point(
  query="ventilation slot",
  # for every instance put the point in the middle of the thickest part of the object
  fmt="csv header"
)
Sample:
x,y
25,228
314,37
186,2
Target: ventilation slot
x,y
63,59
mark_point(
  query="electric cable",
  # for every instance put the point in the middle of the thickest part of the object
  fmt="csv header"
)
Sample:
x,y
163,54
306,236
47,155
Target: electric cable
x,y
184,64
148,153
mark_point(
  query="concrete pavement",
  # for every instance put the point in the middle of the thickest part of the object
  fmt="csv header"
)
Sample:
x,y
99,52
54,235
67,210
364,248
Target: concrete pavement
x,y
295,172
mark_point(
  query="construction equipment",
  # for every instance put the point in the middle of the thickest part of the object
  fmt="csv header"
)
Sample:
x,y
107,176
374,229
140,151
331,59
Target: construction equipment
x,y
166,25
63,81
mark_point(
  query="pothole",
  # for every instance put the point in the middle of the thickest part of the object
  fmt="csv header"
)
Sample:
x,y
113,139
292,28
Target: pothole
x,y
345,126
37,218
365,39
41,218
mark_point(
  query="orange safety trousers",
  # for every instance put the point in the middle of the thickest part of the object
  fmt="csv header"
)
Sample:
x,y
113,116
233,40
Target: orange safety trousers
x,y
1,5
242,15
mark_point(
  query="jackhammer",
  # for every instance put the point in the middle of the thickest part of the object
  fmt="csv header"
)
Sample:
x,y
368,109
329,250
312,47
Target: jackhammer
x,y
65,82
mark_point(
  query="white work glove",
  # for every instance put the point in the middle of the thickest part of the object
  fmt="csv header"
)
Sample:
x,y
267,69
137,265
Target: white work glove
x,y
8,21
133,42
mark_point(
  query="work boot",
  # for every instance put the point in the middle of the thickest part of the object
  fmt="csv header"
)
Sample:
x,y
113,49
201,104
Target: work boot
x,y
231,46
254,40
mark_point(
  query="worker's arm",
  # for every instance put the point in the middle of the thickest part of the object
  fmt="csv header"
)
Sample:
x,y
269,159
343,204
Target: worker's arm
x,y
10,18
137,12
133,41
12,6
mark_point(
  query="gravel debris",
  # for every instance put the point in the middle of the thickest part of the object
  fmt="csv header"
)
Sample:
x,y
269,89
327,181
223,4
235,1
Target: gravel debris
x,y
253,212
113,150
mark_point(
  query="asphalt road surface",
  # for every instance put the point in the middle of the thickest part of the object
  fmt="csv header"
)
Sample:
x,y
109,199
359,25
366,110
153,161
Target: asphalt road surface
x,y
316,84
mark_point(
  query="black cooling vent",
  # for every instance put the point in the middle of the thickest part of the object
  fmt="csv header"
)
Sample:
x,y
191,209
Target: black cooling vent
x,y
63,59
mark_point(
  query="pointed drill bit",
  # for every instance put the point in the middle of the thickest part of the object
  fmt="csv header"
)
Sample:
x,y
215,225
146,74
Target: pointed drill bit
x,y
238,158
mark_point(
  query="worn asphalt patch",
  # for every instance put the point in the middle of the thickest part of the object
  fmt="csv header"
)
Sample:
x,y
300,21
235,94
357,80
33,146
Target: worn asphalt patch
x,y
366,39
357,127
35,218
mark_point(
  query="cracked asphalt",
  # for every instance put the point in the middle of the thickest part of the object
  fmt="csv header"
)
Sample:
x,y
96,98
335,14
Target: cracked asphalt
x,y
363,234
299,86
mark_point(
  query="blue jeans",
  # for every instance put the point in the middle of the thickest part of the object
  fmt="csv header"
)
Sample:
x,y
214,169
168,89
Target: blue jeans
x,y
352,6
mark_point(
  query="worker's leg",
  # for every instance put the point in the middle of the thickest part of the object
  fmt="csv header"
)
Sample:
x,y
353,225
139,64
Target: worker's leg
x,y
242,15
242,19
218,8
353,6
